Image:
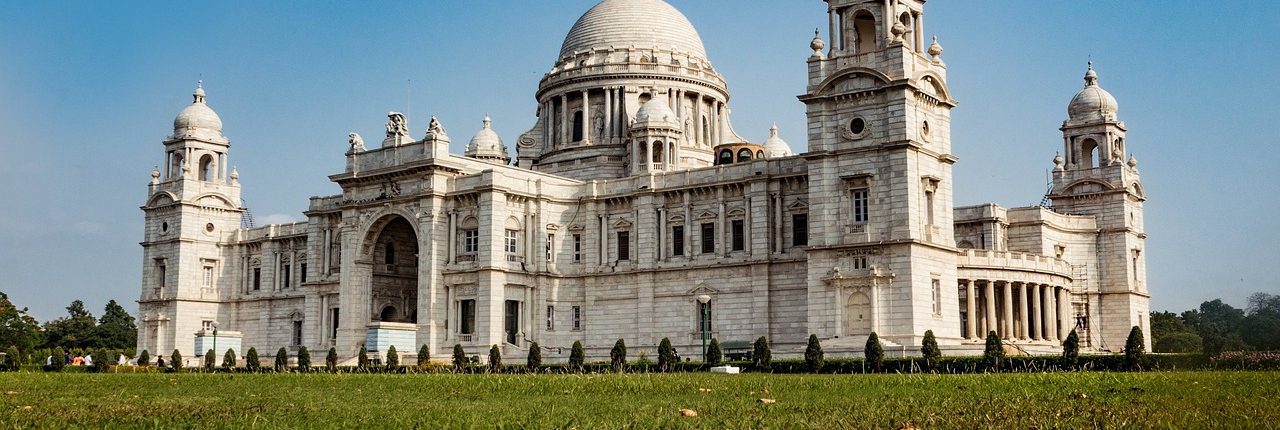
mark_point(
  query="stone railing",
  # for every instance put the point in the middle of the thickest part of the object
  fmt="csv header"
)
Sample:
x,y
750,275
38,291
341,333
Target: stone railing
x,y
982,258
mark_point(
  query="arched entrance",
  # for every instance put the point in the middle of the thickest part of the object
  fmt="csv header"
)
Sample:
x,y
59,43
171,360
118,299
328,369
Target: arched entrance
x,y
394,283
857,314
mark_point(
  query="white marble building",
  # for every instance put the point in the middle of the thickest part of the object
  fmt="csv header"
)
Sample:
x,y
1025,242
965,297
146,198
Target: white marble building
x,y
632,195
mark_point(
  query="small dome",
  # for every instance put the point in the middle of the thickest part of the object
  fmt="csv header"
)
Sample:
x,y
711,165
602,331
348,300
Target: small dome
x,y
198,121
624,23
774,146
656,109
486,143
1092,103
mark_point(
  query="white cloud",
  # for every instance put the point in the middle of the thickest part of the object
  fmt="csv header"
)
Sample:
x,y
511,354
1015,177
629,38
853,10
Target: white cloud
x,y
276,219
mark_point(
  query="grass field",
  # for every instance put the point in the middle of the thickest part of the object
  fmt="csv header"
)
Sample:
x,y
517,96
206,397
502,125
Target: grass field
x,y
243,401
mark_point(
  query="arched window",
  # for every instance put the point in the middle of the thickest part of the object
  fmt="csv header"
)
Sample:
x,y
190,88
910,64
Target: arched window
x,y
864,29
175,167
1090,153
577,126
389,253
759,155
388,313
726,157
909,37
206,167
657,152
744,155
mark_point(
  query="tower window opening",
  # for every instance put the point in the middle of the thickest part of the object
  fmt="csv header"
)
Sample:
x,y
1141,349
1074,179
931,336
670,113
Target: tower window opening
x,y
1092,156
726,157
864,30
744,155
909,37
657,152
577,126
206,168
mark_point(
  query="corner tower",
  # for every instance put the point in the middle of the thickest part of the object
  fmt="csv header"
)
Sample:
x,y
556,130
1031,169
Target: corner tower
x,y
882,253
192,207
1092,177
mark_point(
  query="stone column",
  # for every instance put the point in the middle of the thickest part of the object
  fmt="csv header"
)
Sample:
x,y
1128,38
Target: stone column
x,y
662,234
1023,332
1050,320
608,116
970,302
697,122
586,117
831,31
1037,330
1008,311
990,292
564,120
1065,320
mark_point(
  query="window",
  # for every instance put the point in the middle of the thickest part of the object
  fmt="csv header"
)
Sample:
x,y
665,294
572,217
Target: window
x,y
257,278
577,126
286,279
208,277
937,297
512,240
577,318
206,325
297,333
677,240
551,240
333,330
739,236
708,238
861,212
928,202
624,245
551,318
302,273
860,262
467,313
389,253
800,229
160,273
470,241
577,247
744,155
726,157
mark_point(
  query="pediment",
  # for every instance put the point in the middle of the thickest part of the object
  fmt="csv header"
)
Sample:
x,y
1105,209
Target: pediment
x,y
706,215
799,204
622,224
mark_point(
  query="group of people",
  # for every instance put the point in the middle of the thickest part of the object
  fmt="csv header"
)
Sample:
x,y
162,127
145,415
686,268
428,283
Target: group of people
x,y
76,360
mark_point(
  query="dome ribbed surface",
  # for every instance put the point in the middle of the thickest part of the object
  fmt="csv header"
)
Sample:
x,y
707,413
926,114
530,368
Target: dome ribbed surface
x,y
774,146
198,115
1092,102
642,23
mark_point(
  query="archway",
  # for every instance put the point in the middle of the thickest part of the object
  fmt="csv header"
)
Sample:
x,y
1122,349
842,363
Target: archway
x,y
394,283
857,314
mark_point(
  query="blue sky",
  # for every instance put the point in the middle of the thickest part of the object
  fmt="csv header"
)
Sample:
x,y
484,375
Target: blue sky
x,y
89,89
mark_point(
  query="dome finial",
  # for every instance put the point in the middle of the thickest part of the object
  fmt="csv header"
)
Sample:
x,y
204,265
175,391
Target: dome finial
x,y
198,95
1090,76
935,50
817,44
487,121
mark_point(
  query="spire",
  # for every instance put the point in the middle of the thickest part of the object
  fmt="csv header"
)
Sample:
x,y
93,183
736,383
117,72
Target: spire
x,y
1091,76
198,95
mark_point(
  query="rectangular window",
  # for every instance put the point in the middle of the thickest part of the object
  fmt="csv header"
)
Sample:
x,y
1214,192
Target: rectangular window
x,y
287,280
577,247
677,240
160,274
860,262
302,273
577,318
333,333
208,277
937,297
470,241
551,318
512,241
257,278
739,235
861,210
800,230
467,313
624,246
206,325
708,238
551,255
297,333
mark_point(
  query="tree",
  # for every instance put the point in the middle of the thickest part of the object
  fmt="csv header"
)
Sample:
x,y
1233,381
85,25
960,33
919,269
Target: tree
x,y
459,358
714,356
994,352
393,359
103,362
1186,342
813,355
72,331
251,361
175,360
1170,334
1264,304
1134,351
116,328
495,359
1261,331
210,359
424,356
576,356
362,359
331,360
666,355
59,360
282,360
874,353
13,358
1218,325
229,359
144,359
761,355
930,352
1071,350
17,326
534,362
618,356
304,359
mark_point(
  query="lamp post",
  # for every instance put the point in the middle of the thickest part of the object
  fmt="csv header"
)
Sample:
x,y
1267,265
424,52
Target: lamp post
x,y
703,322
215,342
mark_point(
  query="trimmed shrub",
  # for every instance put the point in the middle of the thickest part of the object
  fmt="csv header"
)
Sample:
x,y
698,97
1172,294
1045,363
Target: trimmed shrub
x,y
209,360
929,351
761,356
331,360
59,360
144,359
229,359
102,362
813,355
362,359
251,361
304,359
282,360
535,357
576,356
459,358
175,360
424,355
393,358
1071,350
714,355
618,356
495,359
874,353
1134,351
666,354
994,352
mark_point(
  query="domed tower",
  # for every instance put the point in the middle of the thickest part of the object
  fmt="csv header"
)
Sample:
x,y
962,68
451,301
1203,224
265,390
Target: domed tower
x,y
1092,177
192,206
656,138
487,145
619,56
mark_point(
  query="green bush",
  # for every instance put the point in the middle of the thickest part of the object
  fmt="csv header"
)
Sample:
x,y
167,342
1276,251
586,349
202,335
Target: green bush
x,y
994,352
424,355
59,360
761,356
282,360
251,361
144,359
209,360
362,360
229,359
175,360
331,360
459,358
929,351
1181,342
393,358
304,359
1134,350
12,358
666,355
1071,350
618,356
495,359
813,354
576,356
535,357
874,353
714,355
101,361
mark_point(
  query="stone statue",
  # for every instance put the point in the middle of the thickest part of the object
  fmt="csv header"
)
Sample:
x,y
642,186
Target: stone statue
x,y
357,143
597,122
435,130
396,125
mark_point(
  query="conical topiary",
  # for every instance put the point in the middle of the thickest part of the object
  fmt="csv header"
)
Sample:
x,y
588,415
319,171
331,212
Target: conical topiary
x,y
929,351
873,352
813,355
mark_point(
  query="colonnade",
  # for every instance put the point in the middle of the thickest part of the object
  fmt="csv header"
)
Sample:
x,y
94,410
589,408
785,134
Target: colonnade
x,y
1015,310
704,113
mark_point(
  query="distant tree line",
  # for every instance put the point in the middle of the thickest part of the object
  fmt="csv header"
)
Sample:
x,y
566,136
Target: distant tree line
x,y
1217,327
78,330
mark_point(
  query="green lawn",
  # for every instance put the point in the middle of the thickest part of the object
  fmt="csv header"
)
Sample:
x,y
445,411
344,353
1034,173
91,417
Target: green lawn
x,y
1059,400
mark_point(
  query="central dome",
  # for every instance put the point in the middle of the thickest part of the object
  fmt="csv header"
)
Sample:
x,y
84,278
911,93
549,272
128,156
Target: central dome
x,y
640,23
